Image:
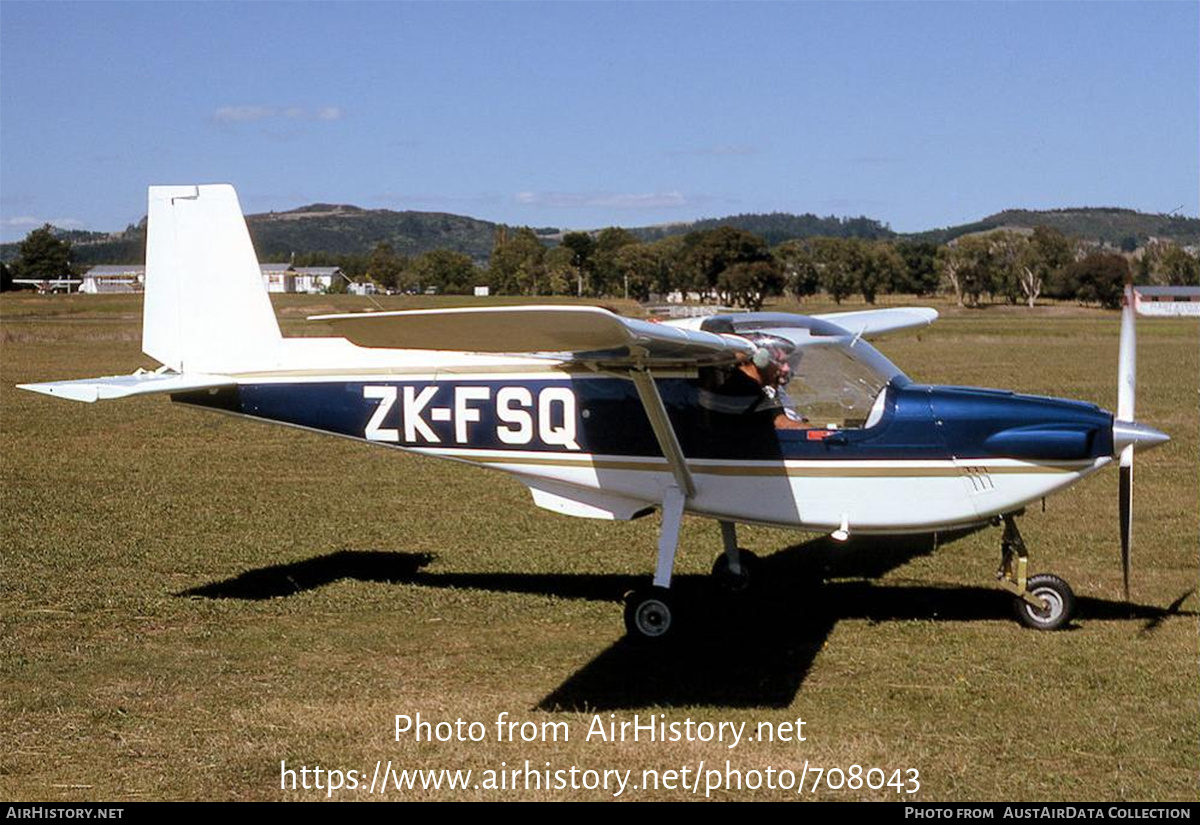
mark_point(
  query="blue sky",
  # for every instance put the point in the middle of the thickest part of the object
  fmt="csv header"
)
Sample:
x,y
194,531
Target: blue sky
x,y
591,114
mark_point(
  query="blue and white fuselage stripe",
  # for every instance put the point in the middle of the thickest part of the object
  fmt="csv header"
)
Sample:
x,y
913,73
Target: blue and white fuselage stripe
x,y
590,433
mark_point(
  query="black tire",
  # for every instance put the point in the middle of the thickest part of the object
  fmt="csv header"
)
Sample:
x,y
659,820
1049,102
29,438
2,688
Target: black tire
x,y
651,615
739,582
1058,596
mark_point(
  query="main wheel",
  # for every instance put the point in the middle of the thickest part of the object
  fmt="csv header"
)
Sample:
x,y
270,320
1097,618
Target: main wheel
x,y
1060,603
650,614
735,582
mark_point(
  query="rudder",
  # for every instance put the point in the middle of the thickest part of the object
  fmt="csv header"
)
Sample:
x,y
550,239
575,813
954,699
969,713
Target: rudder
x,y
206,306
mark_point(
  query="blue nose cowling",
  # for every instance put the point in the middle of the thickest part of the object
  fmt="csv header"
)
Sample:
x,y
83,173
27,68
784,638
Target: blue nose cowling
x,y
1000,424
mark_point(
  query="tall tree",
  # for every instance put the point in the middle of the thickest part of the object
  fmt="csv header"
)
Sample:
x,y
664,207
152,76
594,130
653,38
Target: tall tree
x,y
517,264
608,278
1099,277
1166,263
1008,253
881,269
644,269
748,283
1043,260
43,256
920,265
385,267
582,246
798,266
561,272
840,263
966,266
450,273
708,253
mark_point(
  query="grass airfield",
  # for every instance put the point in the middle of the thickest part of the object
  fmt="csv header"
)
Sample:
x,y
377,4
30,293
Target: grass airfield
x,y
190,599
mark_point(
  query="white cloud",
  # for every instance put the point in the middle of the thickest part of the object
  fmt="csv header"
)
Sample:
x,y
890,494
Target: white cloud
x,y
252,114
608,200
242,114
29,222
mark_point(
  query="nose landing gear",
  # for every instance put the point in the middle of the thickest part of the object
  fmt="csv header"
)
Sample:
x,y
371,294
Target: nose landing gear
x,y
1042,601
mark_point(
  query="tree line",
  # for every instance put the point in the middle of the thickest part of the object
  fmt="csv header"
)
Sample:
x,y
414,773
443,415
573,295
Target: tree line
x,y
736,267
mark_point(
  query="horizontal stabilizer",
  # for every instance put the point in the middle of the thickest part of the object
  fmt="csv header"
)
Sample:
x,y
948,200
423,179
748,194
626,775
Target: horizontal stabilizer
x,y
91,390
872,323
582,333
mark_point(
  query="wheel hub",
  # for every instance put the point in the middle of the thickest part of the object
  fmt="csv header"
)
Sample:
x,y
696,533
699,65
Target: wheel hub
x,y
653,618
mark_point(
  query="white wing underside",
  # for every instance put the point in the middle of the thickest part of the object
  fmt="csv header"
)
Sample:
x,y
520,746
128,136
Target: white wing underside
x,y
575,333
872,323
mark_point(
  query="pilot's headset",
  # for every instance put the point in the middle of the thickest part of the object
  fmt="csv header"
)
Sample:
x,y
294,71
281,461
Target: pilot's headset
x,y
771,350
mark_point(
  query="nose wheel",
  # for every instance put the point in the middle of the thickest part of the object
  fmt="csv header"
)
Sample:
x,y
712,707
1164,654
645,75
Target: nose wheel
x,y
1042,601
1055,594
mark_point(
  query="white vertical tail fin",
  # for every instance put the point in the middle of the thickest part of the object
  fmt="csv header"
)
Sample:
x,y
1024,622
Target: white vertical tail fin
x,y
206,307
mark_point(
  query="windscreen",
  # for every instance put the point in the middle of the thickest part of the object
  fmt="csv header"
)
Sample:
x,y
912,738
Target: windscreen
x,y
837,380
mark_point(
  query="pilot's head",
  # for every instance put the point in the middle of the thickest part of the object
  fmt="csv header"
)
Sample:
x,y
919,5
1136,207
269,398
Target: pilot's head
x,y
770,358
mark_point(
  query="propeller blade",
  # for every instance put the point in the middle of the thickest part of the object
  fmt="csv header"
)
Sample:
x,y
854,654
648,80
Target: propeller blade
x,y
1126,506
1127,358
1126,390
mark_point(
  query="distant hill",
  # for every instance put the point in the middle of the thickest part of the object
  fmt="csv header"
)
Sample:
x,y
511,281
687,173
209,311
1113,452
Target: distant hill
x,y
1124,228
776,227
338,229
341,229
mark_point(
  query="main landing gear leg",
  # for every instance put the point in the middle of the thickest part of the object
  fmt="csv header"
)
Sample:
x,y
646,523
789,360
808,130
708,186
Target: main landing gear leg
x,y
1043,601
652,613
733,569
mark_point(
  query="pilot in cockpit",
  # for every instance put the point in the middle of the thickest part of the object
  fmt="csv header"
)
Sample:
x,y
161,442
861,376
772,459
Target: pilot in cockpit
x,y
761,380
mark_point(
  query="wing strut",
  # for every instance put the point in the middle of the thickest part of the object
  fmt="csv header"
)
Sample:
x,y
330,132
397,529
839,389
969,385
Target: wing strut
x,y
663,431
676,495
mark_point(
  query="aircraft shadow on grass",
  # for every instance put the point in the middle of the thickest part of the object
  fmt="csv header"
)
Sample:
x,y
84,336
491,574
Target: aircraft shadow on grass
x,y
739,650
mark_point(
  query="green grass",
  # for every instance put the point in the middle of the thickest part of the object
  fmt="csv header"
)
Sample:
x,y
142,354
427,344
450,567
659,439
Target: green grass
x,y
394,584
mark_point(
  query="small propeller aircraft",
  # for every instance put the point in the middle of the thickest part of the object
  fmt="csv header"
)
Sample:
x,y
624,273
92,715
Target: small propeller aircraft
x,y
756,418
49,286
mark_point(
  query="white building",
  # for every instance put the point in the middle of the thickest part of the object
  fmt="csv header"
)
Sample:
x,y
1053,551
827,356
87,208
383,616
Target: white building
x,y
306,279
110,279
278,277
316,279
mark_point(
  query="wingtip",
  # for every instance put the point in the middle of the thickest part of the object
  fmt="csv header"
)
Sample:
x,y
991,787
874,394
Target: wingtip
x,y
88,395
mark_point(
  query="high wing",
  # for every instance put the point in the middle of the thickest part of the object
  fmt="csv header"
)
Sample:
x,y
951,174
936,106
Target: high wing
x,y
576,333
48,283
872,323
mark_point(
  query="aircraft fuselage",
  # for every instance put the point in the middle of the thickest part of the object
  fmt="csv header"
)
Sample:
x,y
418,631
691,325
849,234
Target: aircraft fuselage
x,y
937,456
